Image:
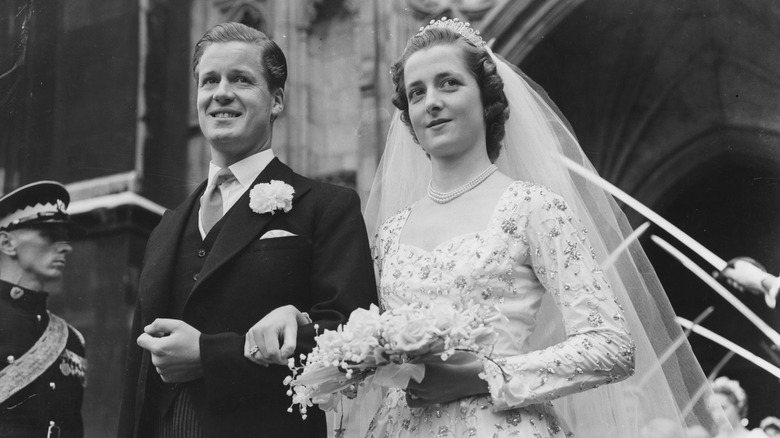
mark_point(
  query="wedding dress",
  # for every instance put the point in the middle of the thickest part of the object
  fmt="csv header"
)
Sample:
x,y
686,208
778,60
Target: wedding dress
x,y
558,360
531,246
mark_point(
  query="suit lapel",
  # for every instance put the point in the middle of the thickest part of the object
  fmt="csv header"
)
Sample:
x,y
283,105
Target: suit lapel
x,y
159,263
242,225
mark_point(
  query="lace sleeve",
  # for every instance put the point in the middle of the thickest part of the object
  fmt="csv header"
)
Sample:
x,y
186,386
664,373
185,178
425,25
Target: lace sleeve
x,y
597,349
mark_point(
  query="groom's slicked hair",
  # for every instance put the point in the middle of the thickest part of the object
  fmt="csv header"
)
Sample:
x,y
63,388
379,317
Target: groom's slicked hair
x,y
478,61
271,56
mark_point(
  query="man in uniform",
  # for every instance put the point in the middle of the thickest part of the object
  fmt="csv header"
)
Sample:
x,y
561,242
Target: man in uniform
x,y
42,361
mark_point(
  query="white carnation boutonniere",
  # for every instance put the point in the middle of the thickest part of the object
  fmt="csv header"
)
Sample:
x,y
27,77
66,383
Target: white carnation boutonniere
x,y
272,196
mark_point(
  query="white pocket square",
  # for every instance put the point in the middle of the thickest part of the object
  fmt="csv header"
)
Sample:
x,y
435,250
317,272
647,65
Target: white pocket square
x,y
276,233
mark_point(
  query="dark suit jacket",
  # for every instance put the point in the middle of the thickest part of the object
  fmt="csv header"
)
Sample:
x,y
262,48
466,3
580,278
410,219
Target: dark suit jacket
x,y
326,270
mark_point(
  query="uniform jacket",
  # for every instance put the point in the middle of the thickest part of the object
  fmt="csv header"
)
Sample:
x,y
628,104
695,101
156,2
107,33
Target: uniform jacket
x,y
57,394
325,269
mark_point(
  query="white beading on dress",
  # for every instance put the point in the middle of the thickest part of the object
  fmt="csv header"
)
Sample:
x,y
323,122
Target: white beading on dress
x,y
532,245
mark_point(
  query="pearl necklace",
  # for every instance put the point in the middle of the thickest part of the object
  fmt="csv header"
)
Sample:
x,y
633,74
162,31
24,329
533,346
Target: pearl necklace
x,y
445,197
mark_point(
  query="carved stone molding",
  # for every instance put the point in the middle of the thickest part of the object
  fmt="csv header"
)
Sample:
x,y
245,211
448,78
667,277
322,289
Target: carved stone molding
x,y
323,10
516,26
465,9
253,13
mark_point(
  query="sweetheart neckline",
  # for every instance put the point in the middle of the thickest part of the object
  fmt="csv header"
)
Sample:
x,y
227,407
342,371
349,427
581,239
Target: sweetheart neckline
x,y
493,214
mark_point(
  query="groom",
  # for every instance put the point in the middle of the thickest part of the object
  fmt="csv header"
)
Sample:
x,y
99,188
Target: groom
x,y
288,252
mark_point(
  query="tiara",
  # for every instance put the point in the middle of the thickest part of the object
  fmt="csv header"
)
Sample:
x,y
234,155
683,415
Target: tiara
x,y
455,25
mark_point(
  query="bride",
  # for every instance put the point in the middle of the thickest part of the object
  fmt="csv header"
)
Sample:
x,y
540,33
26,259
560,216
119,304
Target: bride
x,y
489,215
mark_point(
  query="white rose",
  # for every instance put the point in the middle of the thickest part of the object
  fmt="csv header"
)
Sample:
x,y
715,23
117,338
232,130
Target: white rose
x,y
414,336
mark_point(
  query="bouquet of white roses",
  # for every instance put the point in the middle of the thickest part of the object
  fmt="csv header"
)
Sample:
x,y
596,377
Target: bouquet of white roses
x,y
385,346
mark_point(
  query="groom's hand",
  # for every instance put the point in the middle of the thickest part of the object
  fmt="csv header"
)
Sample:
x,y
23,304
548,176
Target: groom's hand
x,y
274,338
175,348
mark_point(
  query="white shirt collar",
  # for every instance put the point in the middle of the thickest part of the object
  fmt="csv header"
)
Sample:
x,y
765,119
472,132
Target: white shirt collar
x,y
246,170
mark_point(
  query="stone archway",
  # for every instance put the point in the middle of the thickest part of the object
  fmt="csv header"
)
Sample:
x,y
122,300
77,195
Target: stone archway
x,y
678,103
723,191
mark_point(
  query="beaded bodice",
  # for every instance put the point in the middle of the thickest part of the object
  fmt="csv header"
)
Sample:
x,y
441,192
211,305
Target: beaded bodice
x,y
532,246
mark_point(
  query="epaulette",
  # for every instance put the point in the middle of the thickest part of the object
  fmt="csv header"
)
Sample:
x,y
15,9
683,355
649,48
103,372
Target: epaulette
x,y
78,334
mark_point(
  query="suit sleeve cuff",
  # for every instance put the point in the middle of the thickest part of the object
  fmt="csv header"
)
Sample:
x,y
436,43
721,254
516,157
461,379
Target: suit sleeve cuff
x,y
227,374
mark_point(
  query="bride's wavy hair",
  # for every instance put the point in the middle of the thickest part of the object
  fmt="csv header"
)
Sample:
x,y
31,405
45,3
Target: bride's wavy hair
x,y
491,87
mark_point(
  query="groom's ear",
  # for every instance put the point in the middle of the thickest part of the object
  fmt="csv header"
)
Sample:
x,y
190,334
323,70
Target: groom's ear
x,y
277,103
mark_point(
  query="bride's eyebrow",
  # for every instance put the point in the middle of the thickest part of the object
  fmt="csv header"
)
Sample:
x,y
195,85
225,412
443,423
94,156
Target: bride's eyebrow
x,y
448,74
414,84
439,76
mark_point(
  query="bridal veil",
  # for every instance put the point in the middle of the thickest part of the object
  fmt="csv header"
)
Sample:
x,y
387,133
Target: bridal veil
x,y
667,377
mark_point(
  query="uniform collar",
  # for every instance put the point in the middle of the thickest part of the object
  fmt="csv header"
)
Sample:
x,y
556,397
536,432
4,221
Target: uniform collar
x,y
27,299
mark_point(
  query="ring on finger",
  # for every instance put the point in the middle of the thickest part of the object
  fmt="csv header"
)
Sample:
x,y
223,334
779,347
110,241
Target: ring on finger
x,y
254,350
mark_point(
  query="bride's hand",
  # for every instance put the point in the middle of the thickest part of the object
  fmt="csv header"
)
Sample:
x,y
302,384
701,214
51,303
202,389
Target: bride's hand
x,y
273,339
445,381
